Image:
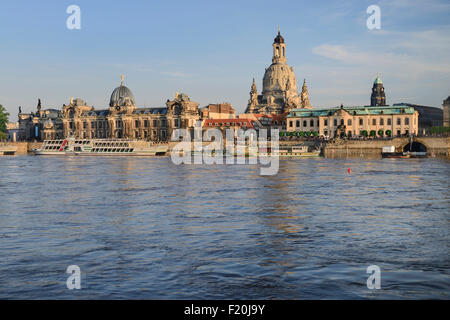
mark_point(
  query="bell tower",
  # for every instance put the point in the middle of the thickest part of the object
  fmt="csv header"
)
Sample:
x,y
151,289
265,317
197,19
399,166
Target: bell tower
x,y
279,49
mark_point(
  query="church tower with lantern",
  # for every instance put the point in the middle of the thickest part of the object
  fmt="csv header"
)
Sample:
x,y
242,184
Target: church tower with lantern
x,y
279,90
378,97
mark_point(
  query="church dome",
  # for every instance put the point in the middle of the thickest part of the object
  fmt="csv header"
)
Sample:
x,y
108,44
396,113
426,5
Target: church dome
x,y
276,79
378,80
121,95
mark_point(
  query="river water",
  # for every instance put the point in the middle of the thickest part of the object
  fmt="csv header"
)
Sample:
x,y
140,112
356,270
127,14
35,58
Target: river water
x,y
144,228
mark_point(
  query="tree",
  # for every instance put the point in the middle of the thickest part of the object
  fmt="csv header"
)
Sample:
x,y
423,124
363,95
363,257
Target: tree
x,y
3,121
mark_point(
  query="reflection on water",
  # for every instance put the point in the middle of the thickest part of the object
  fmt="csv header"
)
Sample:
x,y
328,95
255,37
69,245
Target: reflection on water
x,y
145,228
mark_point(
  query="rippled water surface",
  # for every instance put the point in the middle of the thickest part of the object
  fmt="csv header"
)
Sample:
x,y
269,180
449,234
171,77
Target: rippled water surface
x,y
145,228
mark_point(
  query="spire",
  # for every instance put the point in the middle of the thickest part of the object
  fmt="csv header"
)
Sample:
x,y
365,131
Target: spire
x,y
121,79
305,96
278,29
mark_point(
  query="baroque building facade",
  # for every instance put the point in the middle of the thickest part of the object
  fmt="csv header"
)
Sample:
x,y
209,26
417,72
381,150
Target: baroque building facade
x,y
40,125
279,94
356,121
378,119
121,120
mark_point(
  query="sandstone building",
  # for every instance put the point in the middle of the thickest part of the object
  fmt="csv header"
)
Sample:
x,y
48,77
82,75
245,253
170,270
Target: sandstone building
x,y
355,121
121,120
279,93
218,111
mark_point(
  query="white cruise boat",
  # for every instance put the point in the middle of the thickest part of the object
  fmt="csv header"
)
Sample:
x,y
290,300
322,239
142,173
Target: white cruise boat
x,y
101,147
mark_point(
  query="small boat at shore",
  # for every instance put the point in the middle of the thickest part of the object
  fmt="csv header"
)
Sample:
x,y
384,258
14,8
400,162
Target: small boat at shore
x,y
389,152
100,147
396,155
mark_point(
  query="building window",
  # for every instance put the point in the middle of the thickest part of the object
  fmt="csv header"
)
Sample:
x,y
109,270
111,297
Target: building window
x,y
342,122
407,121
361,121
325,122
311,123
290,124
136,123
399,132
155,123
389,122
381,122
349,122
305,124
335,122
374,122
84,125
297,123
399,121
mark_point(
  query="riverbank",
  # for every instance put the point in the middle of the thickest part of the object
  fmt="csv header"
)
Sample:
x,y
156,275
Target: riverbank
x,y
18,148
434,146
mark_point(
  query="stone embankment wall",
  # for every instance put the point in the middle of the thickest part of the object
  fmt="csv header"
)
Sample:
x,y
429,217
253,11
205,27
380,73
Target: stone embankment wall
x,y
436,147
21,148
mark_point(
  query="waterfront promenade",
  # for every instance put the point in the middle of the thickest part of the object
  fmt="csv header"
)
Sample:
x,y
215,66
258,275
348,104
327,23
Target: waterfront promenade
x,y
435,146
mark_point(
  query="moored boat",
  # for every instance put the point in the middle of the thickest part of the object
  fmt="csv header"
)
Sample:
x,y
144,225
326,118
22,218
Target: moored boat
x,y
101,147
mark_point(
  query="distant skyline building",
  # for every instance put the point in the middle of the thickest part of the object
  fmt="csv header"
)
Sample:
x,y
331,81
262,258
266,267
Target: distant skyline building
x,y
279,93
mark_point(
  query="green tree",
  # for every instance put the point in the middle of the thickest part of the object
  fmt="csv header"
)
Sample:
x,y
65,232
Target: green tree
x,y
3,121
439,130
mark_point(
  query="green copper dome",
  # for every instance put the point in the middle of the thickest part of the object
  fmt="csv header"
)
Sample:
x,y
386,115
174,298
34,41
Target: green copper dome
x,y
378,80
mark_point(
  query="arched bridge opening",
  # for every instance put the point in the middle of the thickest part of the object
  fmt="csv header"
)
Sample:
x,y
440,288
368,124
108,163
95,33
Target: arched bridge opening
x,y
415,147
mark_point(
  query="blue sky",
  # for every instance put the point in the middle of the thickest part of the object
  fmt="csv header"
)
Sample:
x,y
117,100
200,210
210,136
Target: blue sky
x,y
211,50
